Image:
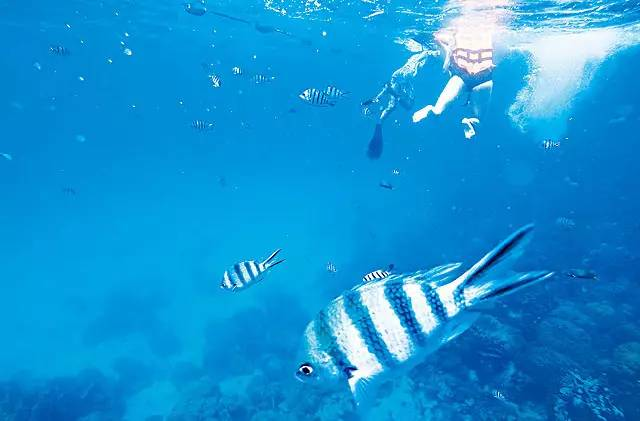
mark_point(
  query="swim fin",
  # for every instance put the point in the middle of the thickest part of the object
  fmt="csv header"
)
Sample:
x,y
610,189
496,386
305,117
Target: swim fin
x,y
375,144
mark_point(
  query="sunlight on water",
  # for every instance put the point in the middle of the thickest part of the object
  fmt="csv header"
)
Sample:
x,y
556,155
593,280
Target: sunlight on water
x,y
562,65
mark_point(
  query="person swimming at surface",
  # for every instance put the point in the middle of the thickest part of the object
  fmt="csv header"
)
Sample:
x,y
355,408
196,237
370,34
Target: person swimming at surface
x,y
398,91
469,61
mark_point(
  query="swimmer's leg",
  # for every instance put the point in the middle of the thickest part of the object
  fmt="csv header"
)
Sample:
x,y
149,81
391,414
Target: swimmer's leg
x,y
376,143
480,99
449,94
391,106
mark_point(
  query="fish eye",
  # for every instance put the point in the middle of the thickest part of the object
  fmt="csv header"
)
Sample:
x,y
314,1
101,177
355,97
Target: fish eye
x,y
306,369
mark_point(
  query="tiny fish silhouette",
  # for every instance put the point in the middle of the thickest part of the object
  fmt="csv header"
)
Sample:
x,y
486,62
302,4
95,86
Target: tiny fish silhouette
x,y
331,268
386,185
59,50
195,9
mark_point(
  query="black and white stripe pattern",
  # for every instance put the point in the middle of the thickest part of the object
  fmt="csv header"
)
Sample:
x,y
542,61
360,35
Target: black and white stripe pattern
x,y
59,50
259,79
377,326
376,274
315,97
201,125
334,93
237,71
215,81
247,273
242,274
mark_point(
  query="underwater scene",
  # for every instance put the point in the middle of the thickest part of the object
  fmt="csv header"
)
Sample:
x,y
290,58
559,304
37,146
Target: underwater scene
x,y
319,210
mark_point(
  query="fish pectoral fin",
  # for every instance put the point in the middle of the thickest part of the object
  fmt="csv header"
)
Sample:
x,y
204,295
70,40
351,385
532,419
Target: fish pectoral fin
x,y
358,385
459,325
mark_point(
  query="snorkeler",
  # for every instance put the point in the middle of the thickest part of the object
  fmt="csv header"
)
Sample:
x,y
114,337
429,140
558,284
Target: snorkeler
x,y
469,61
398,91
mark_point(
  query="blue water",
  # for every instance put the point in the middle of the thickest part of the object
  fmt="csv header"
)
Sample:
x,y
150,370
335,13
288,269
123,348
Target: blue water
x,y
118,219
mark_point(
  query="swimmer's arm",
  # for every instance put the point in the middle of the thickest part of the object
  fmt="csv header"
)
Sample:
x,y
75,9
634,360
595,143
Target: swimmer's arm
x,y
445,41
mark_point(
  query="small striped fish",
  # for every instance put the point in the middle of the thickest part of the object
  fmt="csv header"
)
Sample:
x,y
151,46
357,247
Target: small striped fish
x,y
376,329
59,50
236,71
498,395
376,274
582,274
566,223
215,81
258,79
550,144
244,274
201,125
334,93
315,97
331,268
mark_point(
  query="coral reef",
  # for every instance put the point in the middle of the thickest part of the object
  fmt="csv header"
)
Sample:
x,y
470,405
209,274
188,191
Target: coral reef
x,y
582,397
626,359
89,396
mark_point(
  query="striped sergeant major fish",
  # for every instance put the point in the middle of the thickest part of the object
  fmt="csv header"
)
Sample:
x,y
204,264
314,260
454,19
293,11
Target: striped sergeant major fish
x,y
244,274
236,71
258,79
566,223
550,144
315,97
215,81
383,327
201,125
335,93
375,275
581,274
331,268
59,50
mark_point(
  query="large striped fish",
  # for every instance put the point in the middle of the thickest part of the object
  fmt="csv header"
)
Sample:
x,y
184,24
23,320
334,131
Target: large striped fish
x,y
391,324
244,274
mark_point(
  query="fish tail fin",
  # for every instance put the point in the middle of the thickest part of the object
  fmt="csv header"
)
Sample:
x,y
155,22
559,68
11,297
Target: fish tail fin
x,y
484,280
268,262
270,265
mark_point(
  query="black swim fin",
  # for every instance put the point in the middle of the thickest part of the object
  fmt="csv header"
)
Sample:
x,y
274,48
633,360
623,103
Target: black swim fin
x,y
375,144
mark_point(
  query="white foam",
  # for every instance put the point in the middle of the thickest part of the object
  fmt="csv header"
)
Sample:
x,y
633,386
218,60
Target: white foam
x,y
561,66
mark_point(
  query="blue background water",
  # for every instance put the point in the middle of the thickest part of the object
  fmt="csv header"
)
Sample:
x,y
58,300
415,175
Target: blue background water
x,y
110,306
